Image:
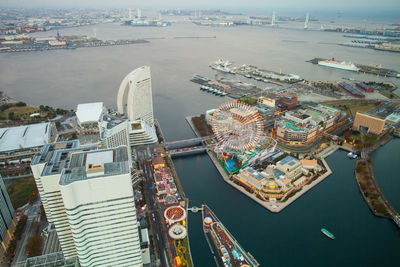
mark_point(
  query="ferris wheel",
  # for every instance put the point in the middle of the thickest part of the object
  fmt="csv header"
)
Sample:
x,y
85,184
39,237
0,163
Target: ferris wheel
x,y
237,126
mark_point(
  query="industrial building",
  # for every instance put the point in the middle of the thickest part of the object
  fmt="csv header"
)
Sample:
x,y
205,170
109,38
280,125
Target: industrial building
x,y
372,124
351,90
25,141
366,88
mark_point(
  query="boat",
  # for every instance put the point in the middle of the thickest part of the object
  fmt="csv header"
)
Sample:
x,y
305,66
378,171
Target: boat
x,y
222,65
352,155
327,233
201,77
227,251
338,64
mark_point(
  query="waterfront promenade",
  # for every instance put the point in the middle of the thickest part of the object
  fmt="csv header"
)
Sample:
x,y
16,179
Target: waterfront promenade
x,y
271,206
371,193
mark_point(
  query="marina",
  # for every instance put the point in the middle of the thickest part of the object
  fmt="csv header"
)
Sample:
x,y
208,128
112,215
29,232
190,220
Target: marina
x,y
228,250
254,72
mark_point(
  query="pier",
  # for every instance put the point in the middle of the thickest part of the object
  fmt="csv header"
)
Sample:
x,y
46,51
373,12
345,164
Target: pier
x,y
371,192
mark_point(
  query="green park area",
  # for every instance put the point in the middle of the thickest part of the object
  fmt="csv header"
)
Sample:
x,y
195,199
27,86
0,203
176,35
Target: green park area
x,y
22,112
21,191
354,108
366,182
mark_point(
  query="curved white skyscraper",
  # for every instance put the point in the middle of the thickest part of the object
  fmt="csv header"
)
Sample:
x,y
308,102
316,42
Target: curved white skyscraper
x,y
135,96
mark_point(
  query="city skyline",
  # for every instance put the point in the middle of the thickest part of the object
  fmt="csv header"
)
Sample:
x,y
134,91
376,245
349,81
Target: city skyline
x,y
290,4
257,114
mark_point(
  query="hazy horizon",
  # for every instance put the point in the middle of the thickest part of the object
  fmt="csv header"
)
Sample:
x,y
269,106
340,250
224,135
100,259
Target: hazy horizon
x,y
221,4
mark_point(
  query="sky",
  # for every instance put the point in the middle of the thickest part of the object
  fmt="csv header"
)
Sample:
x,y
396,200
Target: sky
x,y
223,4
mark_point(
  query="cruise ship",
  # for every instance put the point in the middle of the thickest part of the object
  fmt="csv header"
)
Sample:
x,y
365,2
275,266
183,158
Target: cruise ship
x,y
338,65
222,65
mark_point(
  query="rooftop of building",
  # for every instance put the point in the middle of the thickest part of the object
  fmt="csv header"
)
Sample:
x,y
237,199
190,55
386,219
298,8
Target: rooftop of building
x,y
287,124
90,112
47,151
310,162
27,136
288,161
254,174
57,156
351,89
242,112
93,164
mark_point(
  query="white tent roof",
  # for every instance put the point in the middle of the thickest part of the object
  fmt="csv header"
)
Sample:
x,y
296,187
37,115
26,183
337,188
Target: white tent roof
x,y
89,112
26,136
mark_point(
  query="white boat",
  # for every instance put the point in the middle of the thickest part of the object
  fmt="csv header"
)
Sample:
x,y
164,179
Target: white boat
x,y
338,65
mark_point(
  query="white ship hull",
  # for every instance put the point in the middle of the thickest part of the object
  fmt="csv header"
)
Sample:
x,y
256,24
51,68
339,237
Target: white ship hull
x,y
338,65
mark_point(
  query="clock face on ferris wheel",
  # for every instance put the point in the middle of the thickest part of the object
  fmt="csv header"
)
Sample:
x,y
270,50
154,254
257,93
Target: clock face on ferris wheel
x,y
237,126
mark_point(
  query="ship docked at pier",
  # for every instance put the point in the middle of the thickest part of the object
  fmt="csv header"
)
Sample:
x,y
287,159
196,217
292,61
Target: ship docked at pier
x,y
338,65
224,247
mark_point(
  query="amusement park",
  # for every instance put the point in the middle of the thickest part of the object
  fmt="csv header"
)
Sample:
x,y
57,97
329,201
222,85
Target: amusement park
x,y
251,161
239,130
172,206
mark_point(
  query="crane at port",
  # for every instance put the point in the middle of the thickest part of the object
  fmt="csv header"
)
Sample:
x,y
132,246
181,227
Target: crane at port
x,y
273,19
306,22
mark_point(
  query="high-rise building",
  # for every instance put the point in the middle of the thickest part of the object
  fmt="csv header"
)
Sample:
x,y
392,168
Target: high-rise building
x,y
135,101
46,168
87,194
99,203
6,214
135,96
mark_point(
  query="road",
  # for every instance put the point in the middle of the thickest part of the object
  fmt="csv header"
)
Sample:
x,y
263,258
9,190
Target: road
x,y
144,158
32,211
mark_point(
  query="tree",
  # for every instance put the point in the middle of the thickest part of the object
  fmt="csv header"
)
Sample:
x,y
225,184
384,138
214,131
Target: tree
x,y
20,104
33,246
33,195
11,115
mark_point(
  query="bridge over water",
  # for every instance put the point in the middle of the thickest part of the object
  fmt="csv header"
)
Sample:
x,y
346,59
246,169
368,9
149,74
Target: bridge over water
x,y
188,147
185,142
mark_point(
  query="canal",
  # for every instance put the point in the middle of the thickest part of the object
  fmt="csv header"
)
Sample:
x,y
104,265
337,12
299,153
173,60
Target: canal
x,y
293,237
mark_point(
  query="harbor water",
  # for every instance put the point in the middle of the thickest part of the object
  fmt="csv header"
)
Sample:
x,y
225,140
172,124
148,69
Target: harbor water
x,y
65,78
293,237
